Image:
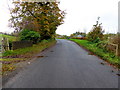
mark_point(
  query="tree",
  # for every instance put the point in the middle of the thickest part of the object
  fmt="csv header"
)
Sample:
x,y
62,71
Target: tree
x,y
78,33
96,34
43,17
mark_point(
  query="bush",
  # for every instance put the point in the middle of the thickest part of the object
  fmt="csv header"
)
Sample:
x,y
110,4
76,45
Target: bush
x,y
116,40
96,34
102,44
29,35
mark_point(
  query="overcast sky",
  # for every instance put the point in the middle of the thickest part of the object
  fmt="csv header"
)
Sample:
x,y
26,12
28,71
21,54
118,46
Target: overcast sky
x,y
81,15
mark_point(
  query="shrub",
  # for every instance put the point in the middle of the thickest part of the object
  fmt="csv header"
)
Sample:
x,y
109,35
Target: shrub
x,y
29,35
116,40
96,34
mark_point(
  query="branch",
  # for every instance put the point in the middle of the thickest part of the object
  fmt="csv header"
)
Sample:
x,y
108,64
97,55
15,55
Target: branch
x,y
33,15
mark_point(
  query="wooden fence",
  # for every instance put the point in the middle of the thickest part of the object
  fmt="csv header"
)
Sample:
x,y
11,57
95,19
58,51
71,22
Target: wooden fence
x,y
117,50
115,42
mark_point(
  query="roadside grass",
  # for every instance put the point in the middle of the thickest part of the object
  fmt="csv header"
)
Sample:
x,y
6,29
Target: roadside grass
x,y
107,56
11,57
10,38
29,50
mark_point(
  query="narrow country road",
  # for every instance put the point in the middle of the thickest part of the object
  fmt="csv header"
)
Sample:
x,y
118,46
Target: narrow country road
x,y
65,65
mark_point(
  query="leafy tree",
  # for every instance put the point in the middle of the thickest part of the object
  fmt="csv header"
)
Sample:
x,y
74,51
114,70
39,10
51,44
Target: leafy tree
x,y
96,34
78,33
43,17
29,35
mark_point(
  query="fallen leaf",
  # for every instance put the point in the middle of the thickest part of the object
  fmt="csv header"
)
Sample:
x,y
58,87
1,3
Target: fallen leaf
x,y
102,63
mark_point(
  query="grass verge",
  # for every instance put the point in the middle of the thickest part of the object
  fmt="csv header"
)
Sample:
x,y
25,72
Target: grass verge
x,y
15,56
107,56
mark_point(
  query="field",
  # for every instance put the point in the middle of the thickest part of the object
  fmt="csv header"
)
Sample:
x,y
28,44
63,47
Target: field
x,y
10,38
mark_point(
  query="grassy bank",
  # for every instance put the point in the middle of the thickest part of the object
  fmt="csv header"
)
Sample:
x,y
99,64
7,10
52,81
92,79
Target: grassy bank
x,y
11,57
10,38
107,56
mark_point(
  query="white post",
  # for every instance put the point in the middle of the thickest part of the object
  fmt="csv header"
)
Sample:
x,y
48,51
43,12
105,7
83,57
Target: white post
x,y
7,44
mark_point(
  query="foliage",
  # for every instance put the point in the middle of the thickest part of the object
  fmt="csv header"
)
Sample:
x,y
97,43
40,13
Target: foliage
x,y
78,33
30,50
115,39
97,33
43,17
7,67
65,37
29,35
110,57
103,44
106,36
24,54
10,38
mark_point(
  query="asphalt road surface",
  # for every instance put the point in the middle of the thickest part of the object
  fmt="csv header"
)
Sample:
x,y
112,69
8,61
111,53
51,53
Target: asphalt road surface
x,y
65,65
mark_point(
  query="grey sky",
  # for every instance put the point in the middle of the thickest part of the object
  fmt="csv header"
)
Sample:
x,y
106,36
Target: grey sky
x,y
81,15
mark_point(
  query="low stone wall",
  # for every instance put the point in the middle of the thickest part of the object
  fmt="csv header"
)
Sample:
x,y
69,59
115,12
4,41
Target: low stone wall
x,y
21,44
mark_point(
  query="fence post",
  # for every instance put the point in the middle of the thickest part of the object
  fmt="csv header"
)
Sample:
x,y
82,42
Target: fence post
x,y
118,49
2,46
7,43
118,45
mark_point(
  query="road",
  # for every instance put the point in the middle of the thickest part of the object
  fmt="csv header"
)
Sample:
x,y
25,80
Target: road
x,y
65,65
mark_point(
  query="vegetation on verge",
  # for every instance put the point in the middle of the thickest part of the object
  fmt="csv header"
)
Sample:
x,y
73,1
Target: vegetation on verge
x,y
32,21
96,34
107,56
11,57
29,35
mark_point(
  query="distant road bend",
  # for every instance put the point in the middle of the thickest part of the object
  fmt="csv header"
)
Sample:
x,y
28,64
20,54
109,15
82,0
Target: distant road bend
x,y
65,65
